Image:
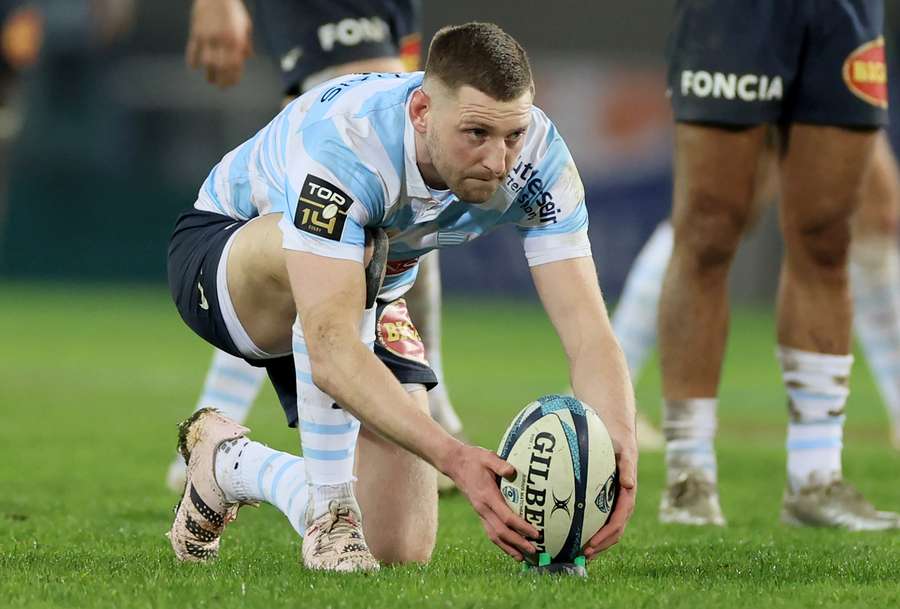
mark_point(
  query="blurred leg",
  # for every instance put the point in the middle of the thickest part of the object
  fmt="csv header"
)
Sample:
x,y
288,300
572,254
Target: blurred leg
x,y
875,277
822,178
715,171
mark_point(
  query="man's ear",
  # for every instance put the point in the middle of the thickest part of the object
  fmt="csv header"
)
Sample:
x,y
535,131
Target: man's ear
x,y
419,108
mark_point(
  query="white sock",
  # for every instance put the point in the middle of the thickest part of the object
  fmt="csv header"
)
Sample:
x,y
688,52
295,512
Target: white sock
x,y
634,320
248,471
875,279
690,428
231,386
328,435
817,386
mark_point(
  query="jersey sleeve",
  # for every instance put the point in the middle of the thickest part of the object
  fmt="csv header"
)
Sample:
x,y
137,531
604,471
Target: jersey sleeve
x,y
332,195
554,220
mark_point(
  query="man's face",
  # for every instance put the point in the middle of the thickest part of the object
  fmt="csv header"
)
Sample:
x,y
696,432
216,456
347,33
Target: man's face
x,y
473,140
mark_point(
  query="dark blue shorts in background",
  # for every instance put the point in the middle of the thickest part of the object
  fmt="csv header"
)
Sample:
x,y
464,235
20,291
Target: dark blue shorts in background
x,y
304,37
194,252
746,62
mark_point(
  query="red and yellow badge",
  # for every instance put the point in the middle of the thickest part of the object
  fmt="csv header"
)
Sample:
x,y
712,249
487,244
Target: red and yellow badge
x,y
397,334
865,73
411,51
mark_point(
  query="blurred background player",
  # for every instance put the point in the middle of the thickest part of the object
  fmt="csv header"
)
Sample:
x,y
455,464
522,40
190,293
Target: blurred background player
x,y
312,41
21,37
874,279
734,68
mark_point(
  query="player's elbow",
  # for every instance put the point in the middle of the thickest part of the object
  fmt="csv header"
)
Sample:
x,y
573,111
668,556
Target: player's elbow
x,y
325,343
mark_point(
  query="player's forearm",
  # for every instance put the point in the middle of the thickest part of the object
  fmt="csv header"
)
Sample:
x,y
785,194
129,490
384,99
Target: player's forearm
x,y
350,373
600,378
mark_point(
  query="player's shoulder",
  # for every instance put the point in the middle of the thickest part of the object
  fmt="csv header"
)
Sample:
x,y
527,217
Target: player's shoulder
x,y
359,95
360,116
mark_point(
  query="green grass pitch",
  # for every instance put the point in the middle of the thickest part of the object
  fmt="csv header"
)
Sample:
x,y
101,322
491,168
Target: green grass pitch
x,y
93,381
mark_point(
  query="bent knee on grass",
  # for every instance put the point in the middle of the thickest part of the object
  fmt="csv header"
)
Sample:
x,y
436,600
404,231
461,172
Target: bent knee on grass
x,y
397,492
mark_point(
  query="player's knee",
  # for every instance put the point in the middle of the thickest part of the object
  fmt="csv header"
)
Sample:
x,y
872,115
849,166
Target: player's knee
x,y
407,547
416,553
824,244
711,230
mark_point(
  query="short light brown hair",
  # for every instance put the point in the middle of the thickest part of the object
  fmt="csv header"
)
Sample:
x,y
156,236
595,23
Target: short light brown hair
x,y
482,56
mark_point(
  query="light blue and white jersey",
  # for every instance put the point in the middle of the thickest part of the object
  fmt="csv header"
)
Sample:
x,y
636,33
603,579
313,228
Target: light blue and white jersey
x,y
342,158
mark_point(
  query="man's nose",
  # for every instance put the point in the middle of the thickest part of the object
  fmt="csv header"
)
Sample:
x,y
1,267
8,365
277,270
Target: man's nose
x,y
495,159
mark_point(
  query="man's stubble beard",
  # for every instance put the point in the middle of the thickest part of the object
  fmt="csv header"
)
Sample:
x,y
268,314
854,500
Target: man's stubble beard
x,y
436,154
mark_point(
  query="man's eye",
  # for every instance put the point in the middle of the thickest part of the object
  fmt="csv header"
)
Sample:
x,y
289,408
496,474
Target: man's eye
x,y
515,137
479,133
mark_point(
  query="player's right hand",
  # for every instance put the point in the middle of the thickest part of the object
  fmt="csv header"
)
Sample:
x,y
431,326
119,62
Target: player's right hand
x,y
220,40
475,471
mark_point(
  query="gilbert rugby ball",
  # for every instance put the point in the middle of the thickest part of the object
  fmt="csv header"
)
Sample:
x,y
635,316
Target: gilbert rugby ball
x,y
566,473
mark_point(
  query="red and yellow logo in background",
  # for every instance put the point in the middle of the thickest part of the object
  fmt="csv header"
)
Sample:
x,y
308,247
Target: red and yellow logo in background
x,y
411,51
865,73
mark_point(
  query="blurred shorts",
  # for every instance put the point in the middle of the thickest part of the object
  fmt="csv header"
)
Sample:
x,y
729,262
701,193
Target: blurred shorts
x,y
305,37
195,250
743,62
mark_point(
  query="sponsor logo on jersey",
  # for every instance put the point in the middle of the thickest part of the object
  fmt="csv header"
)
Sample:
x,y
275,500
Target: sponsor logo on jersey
x,y
398,267
322,208
865,73
720,85
531,195
332,92
396,333
351,32
536,483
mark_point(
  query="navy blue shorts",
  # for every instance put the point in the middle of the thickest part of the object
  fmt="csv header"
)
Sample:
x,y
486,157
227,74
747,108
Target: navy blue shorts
x,y
304,37
193,261
747,62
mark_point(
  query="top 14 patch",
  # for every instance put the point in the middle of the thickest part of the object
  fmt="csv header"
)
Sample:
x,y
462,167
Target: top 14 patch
x,y
322,209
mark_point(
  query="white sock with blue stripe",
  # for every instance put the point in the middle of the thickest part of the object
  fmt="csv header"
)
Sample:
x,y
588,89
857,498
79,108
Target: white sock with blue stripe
x,y
690,428
817,385
327,434
231,386
875,278
634,320
251,472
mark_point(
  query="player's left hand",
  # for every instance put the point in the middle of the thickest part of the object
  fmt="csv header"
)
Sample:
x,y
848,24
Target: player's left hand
x,y
625,447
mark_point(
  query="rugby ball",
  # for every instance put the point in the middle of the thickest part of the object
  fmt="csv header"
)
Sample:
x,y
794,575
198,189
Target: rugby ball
x,y
566,474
